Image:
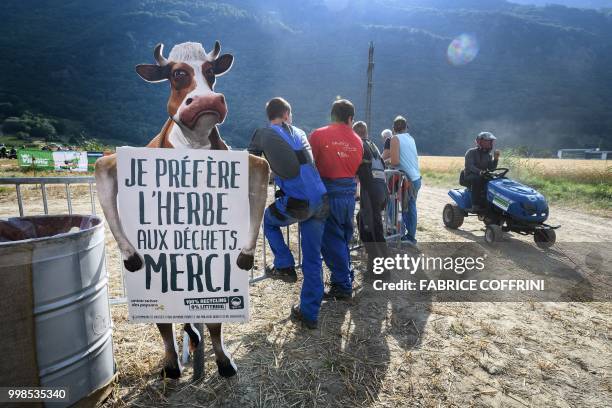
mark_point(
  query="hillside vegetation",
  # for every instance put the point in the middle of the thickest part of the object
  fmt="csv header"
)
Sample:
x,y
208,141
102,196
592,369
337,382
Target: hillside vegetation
x,y
542,78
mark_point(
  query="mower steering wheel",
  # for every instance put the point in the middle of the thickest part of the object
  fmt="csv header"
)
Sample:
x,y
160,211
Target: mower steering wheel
x,y
498,173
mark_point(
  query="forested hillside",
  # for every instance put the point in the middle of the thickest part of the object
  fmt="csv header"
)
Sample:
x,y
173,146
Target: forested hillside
x,y
541,78
569,3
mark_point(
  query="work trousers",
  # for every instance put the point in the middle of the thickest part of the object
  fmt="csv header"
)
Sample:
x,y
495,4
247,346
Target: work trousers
x,y
311,233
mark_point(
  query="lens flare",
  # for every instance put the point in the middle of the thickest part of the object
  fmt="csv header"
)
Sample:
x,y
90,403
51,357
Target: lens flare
x,y
462,50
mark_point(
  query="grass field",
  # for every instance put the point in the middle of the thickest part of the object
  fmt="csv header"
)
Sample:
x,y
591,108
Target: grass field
x,y
581,184
11,140
584,184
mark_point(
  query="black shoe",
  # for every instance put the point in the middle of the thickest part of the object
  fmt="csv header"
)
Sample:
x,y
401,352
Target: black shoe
x,y
334,292
296,314
408,240
284,274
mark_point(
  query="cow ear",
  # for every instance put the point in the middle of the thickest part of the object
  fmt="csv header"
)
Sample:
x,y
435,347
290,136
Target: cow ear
x,y
152,72
223,64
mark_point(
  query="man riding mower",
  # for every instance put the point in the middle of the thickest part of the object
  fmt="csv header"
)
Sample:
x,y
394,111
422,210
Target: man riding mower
x,y
503,205
479,161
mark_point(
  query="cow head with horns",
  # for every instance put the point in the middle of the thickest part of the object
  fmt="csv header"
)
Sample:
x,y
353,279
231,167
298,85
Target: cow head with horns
x,y
193,105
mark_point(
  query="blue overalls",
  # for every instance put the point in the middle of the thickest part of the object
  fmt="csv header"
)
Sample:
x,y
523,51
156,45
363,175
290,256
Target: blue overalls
x,y
303,201
339,231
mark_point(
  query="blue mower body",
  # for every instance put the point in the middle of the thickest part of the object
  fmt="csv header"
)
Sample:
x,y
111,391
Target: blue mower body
x,y
509,197
510,207
463,198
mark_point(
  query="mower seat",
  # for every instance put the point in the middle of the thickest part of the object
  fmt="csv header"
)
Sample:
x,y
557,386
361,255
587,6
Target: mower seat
x,y
462,180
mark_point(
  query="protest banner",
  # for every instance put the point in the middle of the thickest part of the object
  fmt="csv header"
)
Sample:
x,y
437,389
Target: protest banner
x,y
186,212
48,160
70,160
91,159
37,159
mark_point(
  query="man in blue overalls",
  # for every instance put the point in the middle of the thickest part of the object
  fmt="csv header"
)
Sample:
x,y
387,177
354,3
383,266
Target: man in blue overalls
x,y
338,152
302,198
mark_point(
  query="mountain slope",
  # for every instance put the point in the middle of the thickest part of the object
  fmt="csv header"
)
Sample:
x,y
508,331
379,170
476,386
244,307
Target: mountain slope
x,y
596,4
541,78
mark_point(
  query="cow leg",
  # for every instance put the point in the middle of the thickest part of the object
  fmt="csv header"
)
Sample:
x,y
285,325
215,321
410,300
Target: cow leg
x,y
106,185
194,336
172,367
259,174
225,364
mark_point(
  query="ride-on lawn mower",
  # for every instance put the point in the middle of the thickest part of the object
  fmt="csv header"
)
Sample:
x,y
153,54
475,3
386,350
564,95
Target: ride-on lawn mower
x,y
510,207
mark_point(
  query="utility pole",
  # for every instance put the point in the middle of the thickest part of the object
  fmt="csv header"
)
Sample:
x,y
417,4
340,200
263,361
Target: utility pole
x,y
368,115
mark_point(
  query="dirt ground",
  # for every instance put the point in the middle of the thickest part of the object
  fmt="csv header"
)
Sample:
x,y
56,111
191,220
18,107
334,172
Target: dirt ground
x,y
382,350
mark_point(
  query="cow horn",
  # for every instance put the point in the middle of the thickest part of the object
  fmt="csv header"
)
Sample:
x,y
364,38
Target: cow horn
x,y
215,52
158,53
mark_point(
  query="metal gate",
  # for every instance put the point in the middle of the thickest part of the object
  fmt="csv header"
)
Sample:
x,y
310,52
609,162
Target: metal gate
x,y
392,222
42,183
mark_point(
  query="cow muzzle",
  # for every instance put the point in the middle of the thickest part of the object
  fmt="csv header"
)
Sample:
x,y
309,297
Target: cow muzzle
x,y
197,106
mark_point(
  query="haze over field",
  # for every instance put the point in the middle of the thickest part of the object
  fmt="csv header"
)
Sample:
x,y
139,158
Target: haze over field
x,y
536,76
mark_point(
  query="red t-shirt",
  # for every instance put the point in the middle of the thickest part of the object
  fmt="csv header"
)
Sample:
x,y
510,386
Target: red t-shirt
x,y
337,151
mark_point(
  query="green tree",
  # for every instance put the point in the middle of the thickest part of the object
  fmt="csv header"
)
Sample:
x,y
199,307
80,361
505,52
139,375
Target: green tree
x,y
12,125
43,129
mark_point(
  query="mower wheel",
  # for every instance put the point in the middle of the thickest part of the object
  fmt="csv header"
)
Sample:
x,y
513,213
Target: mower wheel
x,y
493,233
490,220
452,216
545,238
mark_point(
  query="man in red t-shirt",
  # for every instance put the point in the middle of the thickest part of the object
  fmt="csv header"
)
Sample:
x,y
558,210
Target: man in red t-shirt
x,y
338,154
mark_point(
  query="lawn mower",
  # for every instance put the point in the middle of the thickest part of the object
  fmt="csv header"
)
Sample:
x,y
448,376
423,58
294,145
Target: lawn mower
x,y
510,207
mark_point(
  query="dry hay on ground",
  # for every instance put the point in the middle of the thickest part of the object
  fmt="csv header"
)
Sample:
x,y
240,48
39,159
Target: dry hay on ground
x,y
380,350
384,350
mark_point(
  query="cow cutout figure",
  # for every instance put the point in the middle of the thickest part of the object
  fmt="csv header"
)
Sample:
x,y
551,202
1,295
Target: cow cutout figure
x,y
194,110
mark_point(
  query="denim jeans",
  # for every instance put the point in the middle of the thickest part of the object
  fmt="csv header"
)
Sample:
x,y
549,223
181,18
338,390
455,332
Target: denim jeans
x,y
409,210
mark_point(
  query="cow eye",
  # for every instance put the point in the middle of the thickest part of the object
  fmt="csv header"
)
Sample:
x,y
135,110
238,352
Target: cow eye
x,y
179,74
209,72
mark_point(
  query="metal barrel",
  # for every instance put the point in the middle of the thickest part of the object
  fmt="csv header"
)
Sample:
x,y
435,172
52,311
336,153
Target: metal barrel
x,y
64,258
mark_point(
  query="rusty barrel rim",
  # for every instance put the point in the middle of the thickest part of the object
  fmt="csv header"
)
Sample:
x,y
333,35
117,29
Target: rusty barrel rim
x,y
95,221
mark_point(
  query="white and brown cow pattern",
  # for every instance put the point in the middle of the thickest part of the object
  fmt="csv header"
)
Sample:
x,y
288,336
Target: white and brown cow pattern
x,y
194,111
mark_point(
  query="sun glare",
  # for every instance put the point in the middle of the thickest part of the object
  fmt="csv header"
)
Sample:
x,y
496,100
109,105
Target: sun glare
x,y
462,50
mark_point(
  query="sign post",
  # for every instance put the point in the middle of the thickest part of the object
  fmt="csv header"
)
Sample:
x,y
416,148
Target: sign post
x,y
186,212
